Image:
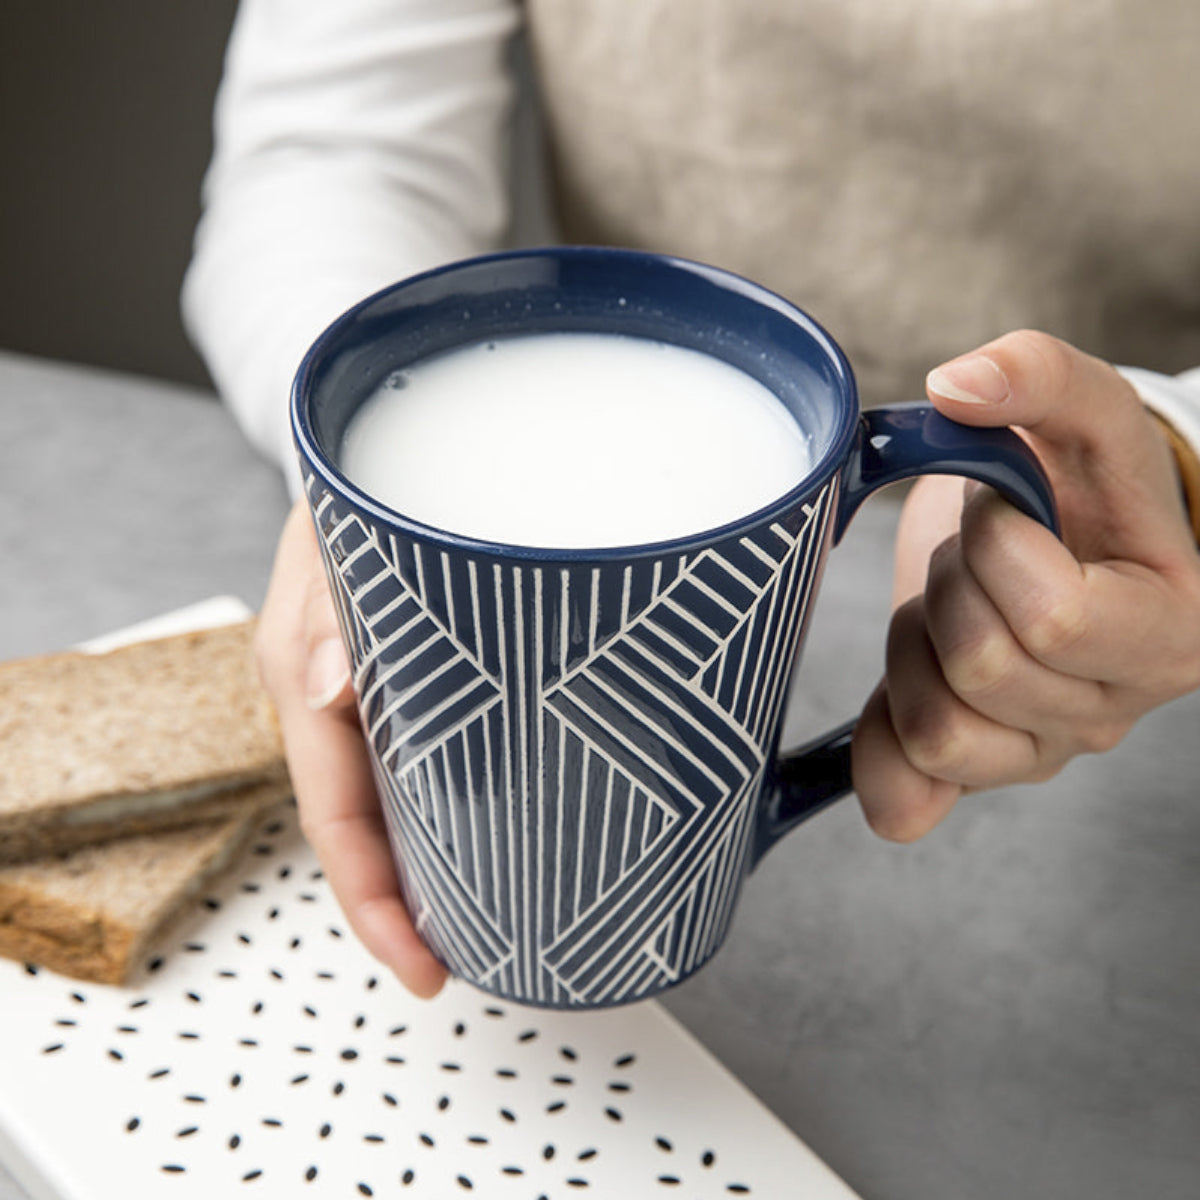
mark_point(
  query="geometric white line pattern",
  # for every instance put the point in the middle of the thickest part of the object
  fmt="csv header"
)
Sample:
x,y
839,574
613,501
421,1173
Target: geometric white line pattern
x,y
570,754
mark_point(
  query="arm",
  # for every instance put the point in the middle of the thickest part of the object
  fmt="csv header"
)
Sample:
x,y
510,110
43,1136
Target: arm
x,y
1175,403
355,143
1010,652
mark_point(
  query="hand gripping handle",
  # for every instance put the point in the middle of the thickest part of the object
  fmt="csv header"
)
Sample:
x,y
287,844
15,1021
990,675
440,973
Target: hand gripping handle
x,y
895,443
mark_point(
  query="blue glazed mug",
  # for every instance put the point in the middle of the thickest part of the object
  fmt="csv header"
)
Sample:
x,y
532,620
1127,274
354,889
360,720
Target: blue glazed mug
x,y
576,751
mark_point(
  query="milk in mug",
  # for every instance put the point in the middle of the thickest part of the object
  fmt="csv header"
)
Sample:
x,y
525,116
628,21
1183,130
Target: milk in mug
x,y
573,441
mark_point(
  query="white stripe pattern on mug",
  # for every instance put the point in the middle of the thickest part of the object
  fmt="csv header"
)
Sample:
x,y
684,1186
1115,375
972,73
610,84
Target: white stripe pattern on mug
x,y
570,754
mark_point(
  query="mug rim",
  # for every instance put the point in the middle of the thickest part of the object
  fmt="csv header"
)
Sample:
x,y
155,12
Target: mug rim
x,y
316,459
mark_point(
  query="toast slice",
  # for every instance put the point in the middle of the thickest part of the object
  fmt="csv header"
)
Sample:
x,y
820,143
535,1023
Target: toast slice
x,y
94,913
151,736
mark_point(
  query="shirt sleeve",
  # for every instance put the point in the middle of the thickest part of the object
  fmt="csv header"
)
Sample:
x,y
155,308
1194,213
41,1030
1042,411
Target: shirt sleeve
x,y
1175,400
355,143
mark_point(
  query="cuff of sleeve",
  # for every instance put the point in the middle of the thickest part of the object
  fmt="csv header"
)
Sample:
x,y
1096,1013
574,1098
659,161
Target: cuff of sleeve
x,y
1189,471
1175,405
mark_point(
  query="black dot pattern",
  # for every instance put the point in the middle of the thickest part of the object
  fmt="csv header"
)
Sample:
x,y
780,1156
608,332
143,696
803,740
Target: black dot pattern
x,y
267,1052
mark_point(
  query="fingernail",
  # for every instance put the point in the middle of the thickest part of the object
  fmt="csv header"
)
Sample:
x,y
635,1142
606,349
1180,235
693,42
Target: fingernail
x,y
972,380
328,673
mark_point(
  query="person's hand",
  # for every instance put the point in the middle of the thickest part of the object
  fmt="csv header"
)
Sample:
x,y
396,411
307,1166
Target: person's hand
x,y
1010,652
304,668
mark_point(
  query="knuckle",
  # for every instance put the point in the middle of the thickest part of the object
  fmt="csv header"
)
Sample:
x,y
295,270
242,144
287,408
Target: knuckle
x,y
1091,733
1054,627
1041,354
932,739
1099,737
979,666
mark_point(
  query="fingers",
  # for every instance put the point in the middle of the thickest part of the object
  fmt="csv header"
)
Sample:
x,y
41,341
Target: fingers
x,y
1064,397
984,664
941,734
920,744
1115,601
304,668
1116,623
901,802
341,819
1015,660
932,511
1023,651
1110,469
342,822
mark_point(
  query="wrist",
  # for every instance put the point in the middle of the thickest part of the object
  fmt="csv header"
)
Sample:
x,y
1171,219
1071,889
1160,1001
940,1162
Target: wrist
x,y
1175,407
1187,464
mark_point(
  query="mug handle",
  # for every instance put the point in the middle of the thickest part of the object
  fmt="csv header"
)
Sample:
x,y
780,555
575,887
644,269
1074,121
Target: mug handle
x,y
893,443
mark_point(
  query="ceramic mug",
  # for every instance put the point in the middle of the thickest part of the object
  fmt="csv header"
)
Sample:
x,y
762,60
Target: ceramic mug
x,y
576,750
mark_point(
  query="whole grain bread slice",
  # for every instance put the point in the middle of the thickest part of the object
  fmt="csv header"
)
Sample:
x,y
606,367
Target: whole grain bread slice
x,y
94,913
150,736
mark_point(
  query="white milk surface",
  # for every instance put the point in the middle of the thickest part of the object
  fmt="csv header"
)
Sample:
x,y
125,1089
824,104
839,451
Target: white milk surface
x,y
574,440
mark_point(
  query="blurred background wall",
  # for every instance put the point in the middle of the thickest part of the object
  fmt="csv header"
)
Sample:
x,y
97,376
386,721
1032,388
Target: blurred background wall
x,y
105,131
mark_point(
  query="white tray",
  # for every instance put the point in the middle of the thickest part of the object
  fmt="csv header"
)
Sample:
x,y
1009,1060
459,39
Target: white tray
x,y
263,1047
263,1052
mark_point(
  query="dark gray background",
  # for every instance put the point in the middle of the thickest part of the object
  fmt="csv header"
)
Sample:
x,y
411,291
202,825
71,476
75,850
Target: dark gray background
x,y
105,131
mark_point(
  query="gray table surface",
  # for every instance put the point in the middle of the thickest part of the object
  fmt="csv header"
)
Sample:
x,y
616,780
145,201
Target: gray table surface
x,y
1009,1008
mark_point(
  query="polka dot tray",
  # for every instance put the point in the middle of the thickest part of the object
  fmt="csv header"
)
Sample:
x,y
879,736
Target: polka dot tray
x,y
262,1052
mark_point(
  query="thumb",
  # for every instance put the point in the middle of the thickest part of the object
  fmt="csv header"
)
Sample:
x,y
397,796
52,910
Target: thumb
x,y
1109,466
327,682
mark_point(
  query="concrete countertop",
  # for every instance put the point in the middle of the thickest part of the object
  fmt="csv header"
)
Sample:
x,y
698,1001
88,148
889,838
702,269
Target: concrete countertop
x,y
1008,1008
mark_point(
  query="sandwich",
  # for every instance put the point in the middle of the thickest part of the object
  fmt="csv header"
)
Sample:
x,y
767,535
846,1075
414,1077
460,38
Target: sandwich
x,y
129,780
144,738
94,913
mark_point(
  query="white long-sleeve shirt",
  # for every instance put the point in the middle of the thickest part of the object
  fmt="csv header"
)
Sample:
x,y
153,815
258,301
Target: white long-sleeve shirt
x,y
355,144
358,143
